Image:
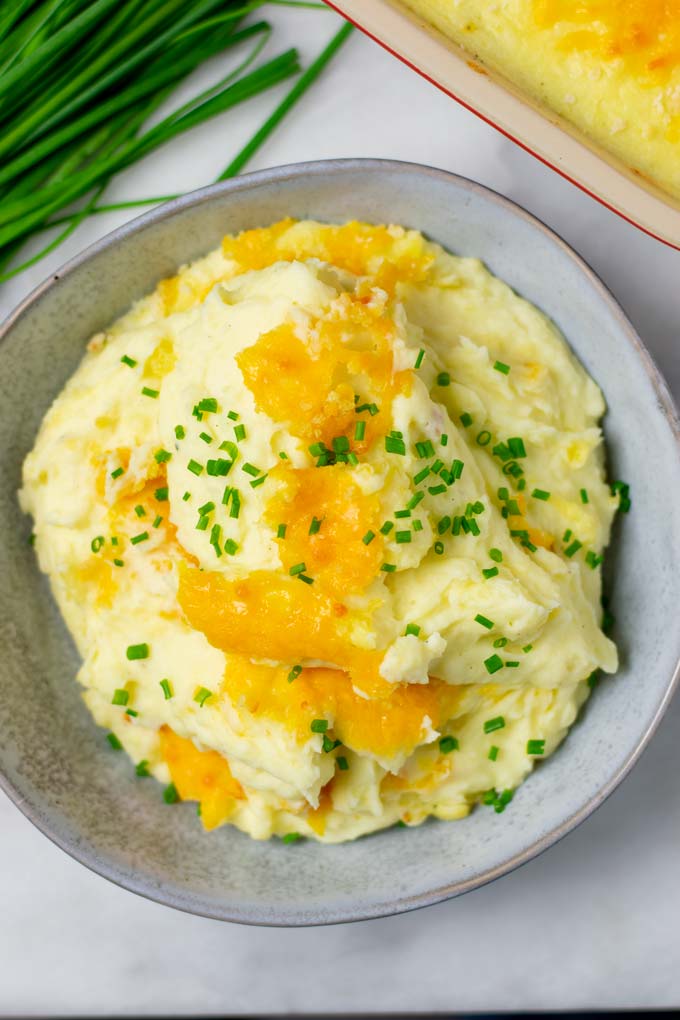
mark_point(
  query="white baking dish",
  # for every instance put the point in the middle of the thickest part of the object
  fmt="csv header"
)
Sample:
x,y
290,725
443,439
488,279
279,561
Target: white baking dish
x,y
537,129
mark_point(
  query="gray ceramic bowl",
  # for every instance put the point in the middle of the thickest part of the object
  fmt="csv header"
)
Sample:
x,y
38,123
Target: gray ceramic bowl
x,y
54,761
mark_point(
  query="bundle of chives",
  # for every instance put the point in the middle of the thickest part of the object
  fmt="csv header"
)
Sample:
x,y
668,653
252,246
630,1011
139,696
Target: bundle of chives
x,y
79,79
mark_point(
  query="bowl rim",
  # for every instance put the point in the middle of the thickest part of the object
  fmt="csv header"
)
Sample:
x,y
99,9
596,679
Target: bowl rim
x,y
339,168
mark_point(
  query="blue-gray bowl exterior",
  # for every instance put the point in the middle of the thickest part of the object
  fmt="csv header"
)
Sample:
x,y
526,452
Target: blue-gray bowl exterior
x,y
54,761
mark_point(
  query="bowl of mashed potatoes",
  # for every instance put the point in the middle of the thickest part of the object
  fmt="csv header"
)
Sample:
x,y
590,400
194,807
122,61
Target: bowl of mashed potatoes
x,y
311,622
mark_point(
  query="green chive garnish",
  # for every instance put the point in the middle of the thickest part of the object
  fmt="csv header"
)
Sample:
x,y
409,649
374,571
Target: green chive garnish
x,y
137,651
584,496
466,419
368,537
419,359
501,367
117,473
541,494
97,543
120,696
493,663
402,537
443,379
490,572
484,437
393,444
239,433
294,673
201,696
438,548
494,724
388,568
114,741
141,537
319,725
291,837
448,744
412,628
179,432
573,548
170,794
343,764
484,621
281,531
535,746
167,689
299,568
315,526
148,392
208,404
195,467
360,430
128,361
142,768
493,753
161,494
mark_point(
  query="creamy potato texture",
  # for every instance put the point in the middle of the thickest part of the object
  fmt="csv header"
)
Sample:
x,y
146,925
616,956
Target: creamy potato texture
x,y
611,67
325,515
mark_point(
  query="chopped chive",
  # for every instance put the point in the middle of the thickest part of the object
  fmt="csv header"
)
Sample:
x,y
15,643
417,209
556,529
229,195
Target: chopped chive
x,y
593,679
218,468
281,531
208,404
443,379
206,508
319,725
395,445
180,432
402,537
202,695
535,746
340,444
360,430
128,361
137,651
294,673
114,540
162,456
167,689
239,433
258,481
118,563
120,696
386,528
421,476
170,794
343,764
158,520
114,741
117,473
142,768
97,543
567,535
298,568
593,560
493,753
402,513
161,494
501,367
466,419
448,744
484,621
521,484
291,837
315,526
372,409
483,437
473,526
412,628
140,511
500,642
425,449
148,392
584,496
437,466
438,548
573,548
516,445
250,469
493,663
456,526
305,579
283,455
494,724
502,451
444,439
444,524
527,649
195,467
415,499
215,534
419,359
205,437
541,494
436,490
417,525
232,415
512,665
186,497
230,547
388,568
141,537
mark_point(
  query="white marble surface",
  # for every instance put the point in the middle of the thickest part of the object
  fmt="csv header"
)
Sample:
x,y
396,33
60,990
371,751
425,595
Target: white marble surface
x,y
592,923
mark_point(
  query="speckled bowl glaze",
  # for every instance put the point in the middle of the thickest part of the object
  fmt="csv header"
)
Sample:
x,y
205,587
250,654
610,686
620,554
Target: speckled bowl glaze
x,y
54,761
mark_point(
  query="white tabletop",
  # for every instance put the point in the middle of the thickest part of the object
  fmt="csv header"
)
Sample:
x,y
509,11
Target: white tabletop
x,y
594,921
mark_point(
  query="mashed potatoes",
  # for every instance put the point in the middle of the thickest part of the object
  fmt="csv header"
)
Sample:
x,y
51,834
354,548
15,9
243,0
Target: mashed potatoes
x,y
609,67
324,514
